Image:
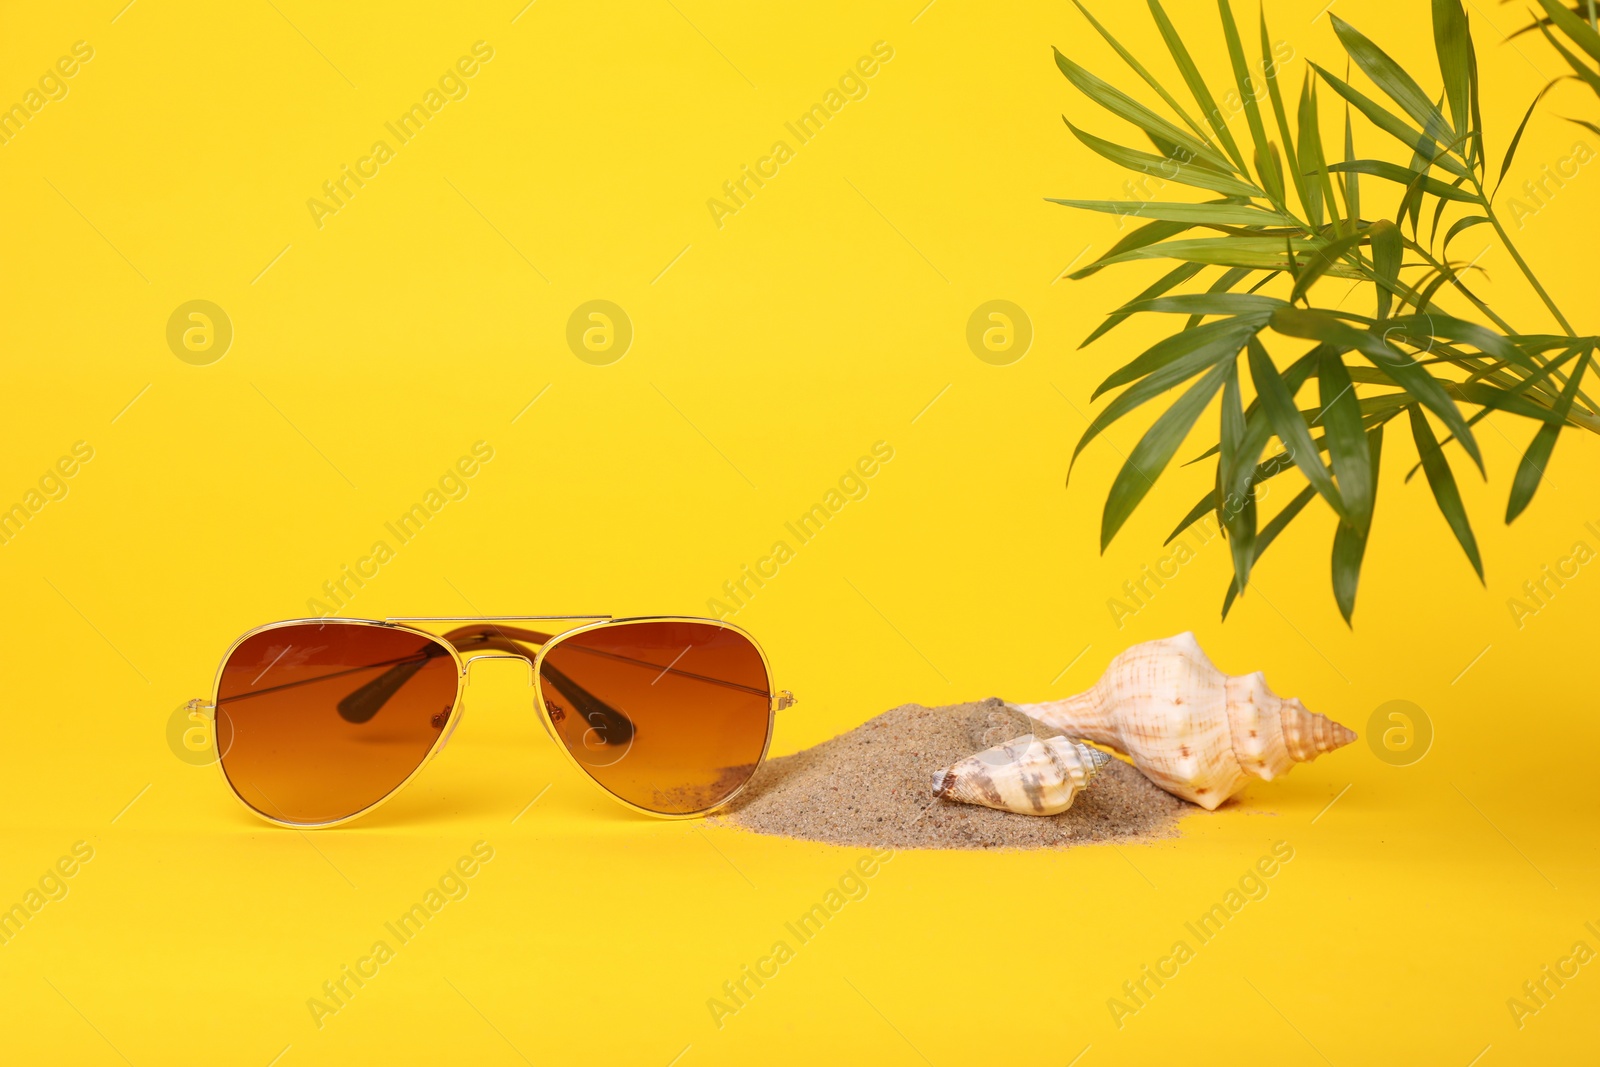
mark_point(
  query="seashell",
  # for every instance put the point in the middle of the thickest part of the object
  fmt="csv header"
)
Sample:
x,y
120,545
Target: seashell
x,y
1029,775
1194,731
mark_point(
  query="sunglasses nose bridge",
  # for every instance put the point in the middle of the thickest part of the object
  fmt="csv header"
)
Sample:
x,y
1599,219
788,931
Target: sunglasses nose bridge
x,y
526,661
466,670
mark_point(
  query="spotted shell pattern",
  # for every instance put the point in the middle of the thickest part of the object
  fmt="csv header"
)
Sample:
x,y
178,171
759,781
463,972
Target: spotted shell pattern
x,y
1029,775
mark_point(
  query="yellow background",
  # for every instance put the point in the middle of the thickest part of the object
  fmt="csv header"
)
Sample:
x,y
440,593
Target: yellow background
x,y
768,357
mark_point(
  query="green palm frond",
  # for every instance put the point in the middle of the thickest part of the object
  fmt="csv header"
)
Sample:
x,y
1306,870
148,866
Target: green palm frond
x,y
1248,265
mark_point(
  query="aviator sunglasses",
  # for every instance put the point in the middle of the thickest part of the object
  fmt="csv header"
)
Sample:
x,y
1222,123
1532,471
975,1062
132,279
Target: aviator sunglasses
x,y
318,721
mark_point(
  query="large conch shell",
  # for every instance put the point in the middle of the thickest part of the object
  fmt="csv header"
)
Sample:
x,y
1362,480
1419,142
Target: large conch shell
x,y
1194,731
1030,775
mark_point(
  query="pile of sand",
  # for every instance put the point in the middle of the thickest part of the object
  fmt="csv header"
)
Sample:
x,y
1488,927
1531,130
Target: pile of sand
x,y
872,787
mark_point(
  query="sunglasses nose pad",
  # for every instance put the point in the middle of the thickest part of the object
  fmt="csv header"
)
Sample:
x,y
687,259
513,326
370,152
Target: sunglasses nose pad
x,y
443,720
555,714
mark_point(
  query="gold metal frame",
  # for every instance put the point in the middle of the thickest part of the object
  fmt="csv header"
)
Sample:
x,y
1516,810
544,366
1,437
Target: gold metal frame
x,y
777,700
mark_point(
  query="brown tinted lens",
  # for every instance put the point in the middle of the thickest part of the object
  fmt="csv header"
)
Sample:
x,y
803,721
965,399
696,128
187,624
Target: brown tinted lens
x,y
670,716
318,721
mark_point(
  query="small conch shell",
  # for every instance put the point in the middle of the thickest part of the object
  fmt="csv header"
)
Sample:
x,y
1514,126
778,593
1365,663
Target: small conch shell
x,y
1194,731
1029,775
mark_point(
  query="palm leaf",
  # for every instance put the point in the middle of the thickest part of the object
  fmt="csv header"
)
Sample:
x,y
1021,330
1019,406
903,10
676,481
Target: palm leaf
x,y
1224,284
1281,117
1237,500
1579,68
1129,109
1387,252
1197,84
1350,542
1389,76
1154,451
1213,304
1352,181
1391,123
1198,346
1443,483
1322,261
1319,190
1516,140
1534,461
1452,39
1578,31
1166,283
1268,535
1278,402
1462,225
1347,442
1145,235
1380,168
1139,69
1257,253
1218,215
1320,326
1252,110
1170,372
1164,167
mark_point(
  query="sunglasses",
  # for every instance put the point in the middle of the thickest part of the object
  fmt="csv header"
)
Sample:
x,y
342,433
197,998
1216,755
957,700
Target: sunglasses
x,y
318,721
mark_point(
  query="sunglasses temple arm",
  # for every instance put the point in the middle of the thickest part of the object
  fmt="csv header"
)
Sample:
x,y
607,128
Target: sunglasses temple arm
x,y
363,703
614,727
